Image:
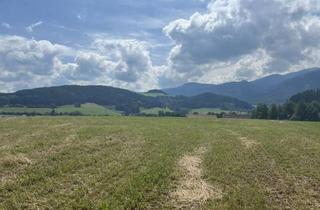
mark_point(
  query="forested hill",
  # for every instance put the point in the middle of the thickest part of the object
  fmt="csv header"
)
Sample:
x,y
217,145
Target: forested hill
x,y
302,106
272,89
206,100
307,96
122,100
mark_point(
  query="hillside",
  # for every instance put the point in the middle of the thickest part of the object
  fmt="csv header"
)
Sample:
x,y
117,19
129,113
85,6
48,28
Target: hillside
x,y
271,89
306,96
155,93
206,100
304,106
122,100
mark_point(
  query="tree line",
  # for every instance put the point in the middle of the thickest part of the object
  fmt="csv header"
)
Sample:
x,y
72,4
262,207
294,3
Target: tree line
x,y
302,107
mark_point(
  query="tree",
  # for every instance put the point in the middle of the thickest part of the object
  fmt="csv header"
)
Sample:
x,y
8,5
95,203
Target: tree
x,y
312,112
316,104
281,113
254,114
301,112
77,105
289,109
53,112
262,111
273,112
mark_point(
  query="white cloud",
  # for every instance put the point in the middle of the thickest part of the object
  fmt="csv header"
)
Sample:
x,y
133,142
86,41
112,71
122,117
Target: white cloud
x,y
31,27
232,40
18,54
130,56
6,25
26,63
224,42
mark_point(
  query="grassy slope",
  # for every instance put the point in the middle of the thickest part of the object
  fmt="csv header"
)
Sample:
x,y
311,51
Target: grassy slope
x,y
86,109
119,162
154,94
154,110
215,110
25,110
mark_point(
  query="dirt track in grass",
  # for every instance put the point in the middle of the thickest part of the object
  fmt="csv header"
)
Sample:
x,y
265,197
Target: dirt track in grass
x,y
191,190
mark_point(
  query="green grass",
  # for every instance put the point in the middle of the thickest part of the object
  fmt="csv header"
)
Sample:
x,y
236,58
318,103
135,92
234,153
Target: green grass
x,y
86,109
131,162
154,94
25,110
215,110
155,110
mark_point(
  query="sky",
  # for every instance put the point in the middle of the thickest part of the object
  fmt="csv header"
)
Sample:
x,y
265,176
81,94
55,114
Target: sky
x,y
142,44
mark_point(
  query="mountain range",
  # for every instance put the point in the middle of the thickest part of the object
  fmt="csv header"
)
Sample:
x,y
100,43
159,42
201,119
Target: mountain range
x,y
228,96
271,89
120,99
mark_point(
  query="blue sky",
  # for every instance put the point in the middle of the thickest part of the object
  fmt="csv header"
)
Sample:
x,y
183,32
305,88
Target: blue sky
x,y
144,44
75,22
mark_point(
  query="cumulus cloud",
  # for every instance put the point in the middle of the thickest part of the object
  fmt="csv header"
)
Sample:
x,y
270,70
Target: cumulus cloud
x,y
235,32
26,63
131,57
18,54
231,40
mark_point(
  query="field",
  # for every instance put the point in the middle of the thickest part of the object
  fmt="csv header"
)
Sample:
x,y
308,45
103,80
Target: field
x,y
154,111
154,94
158,163
205,111
88,109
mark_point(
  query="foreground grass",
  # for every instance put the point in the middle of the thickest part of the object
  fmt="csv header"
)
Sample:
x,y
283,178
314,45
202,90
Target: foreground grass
x,y
130,163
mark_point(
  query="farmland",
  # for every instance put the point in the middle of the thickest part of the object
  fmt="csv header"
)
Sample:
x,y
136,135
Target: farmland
x,y
158,163
88,109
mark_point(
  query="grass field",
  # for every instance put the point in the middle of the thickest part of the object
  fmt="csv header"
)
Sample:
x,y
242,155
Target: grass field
x,y
154,94
89,109
155,110
158,163
214,110
25,110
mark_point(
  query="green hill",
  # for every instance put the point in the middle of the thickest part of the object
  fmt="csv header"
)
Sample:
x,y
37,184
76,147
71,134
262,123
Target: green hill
x,y
64,99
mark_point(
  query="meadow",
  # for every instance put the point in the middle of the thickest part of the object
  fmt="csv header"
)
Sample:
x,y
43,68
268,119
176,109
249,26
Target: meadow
x,y
88,109
158,163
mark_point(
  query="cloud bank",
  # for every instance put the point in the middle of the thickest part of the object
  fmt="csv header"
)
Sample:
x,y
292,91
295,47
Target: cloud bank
x,y
26,63
231,40
245,38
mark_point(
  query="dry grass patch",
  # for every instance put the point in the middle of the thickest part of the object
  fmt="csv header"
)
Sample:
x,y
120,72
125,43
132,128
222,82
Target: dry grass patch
x,y
19,161
15,160
248,143
291,192
191,191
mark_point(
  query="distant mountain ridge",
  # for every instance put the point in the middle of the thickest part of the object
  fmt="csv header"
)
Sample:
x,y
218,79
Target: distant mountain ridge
x,y
122,100
270,89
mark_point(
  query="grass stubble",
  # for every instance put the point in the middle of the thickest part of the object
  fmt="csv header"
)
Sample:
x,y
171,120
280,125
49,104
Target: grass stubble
x,y
158,163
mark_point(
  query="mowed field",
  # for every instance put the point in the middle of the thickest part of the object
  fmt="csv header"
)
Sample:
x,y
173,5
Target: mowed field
x,y
158,163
